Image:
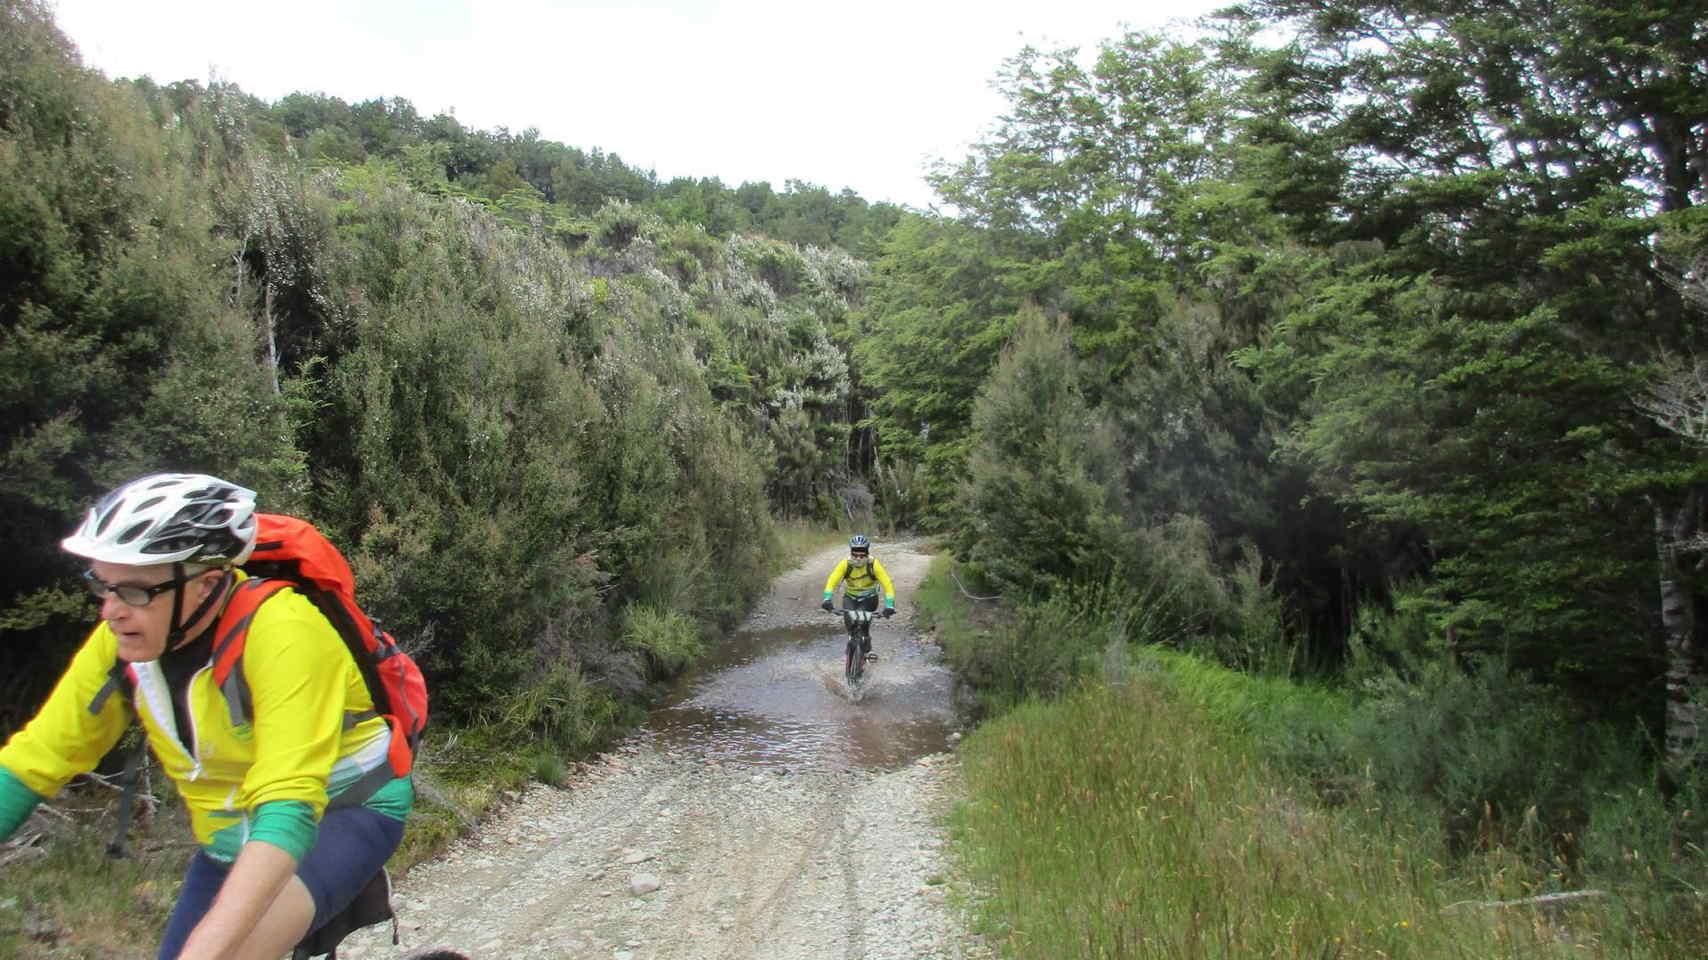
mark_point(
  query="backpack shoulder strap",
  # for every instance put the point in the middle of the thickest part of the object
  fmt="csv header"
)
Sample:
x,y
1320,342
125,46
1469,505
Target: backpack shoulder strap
x,y
230,637
118,681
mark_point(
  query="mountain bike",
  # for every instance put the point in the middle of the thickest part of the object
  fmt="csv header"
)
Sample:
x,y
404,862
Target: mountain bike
x,y
859,626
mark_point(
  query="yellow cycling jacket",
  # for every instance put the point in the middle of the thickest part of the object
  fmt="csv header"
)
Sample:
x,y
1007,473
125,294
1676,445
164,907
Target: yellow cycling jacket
x,y
862,581
306,745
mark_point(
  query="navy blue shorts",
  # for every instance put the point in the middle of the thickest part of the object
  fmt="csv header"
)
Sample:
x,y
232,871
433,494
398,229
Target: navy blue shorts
x,y
354,843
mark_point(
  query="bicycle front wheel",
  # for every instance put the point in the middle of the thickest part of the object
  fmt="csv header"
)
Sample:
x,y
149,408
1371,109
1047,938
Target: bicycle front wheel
x,y
854,662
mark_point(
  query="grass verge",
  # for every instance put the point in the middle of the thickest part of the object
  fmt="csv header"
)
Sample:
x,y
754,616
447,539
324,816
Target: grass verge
x,y
1122,821
1167,807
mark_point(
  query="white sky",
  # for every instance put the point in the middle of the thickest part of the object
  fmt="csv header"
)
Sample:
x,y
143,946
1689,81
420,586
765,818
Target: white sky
x,y
861,96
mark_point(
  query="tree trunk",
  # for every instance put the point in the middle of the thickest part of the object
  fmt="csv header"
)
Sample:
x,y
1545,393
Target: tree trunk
x,y
272,338
1677,530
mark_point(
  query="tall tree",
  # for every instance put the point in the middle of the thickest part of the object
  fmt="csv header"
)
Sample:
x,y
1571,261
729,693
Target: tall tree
x,y
1084,180
938,310
1471,359
1039,507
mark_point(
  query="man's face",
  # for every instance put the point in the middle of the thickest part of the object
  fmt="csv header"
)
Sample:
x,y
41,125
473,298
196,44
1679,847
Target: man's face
x,y
142,629
857,558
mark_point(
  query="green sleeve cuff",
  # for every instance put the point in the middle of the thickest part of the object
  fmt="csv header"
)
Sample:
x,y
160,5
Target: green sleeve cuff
x,y
890,602
394,800
829,593
287,824
16,802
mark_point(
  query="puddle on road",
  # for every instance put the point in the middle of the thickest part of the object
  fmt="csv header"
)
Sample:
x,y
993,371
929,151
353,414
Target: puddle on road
x,y
777,698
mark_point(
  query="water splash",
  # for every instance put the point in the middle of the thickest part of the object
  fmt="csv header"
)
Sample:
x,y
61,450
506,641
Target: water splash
x,y
778,698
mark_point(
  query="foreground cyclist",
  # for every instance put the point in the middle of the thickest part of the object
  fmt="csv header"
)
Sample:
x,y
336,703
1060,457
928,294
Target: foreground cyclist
x,y
289,827
861,576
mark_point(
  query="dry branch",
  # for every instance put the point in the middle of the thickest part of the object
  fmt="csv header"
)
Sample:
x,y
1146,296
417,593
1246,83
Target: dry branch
x,y
964,592
1543,900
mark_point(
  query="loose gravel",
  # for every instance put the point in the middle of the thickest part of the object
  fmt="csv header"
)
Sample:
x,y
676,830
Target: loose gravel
x,y
656,854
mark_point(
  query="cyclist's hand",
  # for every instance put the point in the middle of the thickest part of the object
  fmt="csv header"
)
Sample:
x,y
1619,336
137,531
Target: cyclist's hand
x,y
889,612
828,606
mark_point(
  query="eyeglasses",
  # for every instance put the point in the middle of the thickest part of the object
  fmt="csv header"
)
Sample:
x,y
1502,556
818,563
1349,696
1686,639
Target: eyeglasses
x,y
129,594
858,554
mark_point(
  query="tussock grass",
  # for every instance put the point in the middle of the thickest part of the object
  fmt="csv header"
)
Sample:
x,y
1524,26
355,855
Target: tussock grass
x,y
1125,821
669,639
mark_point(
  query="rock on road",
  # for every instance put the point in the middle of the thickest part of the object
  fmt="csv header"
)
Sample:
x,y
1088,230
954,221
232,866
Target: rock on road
x,y
658,854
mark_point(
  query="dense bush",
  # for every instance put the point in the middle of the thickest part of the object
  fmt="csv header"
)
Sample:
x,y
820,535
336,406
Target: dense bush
x,y
531,447
518,424
1468,737
120,353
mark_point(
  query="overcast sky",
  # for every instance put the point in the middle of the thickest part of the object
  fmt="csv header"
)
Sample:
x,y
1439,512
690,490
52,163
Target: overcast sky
x,y
842,95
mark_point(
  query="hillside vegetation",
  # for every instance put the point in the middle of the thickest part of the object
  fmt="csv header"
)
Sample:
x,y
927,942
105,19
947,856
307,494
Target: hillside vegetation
x,y
528,432
1352,347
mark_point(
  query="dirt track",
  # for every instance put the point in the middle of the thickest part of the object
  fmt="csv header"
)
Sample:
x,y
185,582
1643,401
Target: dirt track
x,y
656,853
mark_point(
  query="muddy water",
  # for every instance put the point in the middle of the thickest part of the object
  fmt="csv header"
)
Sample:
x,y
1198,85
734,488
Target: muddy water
x,y
777,698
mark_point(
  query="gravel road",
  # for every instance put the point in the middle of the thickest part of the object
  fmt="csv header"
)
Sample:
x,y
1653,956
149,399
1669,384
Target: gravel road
x,y
654,852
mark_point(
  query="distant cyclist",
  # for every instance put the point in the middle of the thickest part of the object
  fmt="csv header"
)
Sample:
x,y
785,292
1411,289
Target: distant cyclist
x,y
862,577
294,810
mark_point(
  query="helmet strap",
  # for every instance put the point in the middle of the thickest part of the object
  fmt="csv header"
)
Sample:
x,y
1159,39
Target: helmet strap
x,y
175,636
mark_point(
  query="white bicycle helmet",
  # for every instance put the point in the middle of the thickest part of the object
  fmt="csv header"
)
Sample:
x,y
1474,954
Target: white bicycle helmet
x,y
169,518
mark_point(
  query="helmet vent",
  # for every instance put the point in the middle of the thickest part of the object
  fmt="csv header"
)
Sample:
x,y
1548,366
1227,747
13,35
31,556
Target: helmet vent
x,y
170,545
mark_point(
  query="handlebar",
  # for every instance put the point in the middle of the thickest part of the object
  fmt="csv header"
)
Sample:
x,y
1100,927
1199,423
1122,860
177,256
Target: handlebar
x,y
858,616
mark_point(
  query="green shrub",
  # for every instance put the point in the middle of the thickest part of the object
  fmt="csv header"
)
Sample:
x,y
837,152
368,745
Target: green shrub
x,y
1246,630
670,640
562,709
779,265
1173,592
617,224
1492,747
1029,651
1037,493
903,492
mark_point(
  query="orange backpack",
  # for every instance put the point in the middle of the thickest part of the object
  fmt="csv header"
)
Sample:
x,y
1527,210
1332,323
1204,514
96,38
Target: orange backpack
x,y
291,553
